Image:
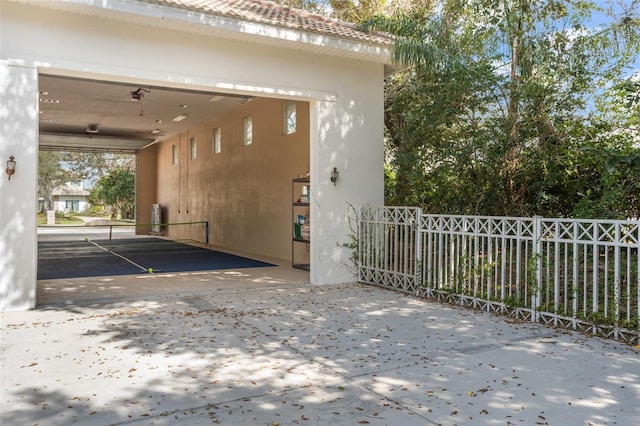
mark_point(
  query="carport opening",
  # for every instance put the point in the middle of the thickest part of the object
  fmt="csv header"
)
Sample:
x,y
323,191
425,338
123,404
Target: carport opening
x,y
227,160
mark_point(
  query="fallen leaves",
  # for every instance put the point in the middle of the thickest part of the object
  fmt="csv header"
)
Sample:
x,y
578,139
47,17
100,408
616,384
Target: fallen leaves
x,y
321,360
472,393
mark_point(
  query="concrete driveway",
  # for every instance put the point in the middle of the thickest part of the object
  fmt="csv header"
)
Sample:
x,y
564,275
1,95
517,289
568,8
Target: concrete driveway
x,y
296,354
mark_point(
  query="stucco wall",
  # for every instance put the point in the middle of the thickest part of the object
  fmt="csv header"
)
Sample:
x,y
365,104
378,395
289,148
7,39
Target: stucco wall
x,y
18,196
146,187
345,99
243,191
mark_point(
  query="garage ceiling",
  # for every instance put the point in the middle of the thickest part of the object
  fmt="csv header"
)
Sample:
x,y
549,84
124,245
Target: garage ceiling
x,y
99,116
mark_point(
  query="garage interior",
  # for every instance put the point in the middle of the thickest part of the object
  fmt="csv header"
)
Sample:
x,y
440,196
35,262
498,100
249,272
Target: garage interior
x,y
244,191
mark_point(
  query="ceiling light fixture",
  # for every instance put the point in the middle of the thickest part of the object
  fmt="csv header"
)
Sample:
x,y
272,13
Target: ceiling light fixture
x,y
246,99
138,94
180,118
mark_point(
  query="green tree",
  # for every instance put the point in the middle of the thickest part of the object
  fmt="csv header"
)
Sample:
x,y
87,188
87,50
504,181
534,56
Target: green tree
x,y
491,115
94,165
50,174
346,10
117,192
436,113
615,191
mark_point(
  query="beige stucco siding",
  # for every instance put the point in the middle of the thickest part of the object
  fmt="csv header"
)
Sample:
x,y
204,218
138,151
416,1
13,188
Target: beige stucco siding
x,y
243,191
146,186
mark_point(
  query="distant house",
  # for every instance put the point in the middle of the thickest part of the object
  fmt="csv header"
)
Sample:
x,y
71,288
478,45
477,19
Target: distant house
x,y
70,198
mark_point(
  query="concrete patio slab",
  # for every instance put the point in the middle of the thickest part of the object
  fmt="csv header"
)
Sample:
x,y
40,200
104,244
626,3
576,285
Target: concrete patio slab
x,y
282,354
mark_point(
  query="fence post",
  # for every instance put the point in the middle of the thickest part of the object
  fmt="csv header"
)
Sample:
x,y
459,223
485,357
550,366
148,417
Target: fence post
x,y
418,263
536,297
361,241
616,279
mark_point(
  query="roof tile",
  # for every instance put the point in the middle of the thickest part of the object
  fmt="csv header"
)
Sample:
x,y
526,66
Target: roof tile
x,y
267,12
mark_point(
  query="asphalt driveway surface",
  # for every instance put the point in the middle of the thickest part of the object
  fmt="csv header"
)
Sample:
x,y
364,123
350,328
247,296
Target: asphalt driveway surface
x,y
308,355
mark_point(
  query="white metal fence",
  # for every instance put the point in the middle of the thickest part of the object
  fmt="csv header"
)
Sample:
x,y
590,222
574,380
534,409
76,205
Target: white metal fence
x,y
577,274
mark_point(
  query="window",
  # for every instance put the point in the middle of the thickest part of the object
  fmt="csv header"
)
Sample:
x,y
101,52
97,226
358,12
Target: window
x,y
289,117
193,146
72,205
248,130
217,140
174,154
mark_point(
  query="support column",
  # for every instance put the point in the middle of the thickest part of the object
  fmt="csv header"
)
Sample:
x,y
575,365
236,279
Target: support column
x,y
18,196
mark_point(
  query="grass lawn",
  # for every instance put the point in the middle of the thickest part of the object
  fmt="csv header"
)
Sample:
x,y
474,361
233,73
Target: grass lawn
x,y
60,220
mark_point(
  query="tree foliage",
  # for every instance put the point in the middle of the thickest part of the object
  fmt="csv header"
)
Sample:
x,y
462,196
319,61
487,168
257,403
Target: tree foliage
x,y
93,165
506,108
50,174
57,168
116,191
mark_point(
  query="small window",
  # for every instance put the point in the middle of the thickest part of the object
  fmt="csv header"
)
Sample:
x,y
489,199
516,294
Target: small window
x,y
217,140
289,117
248,130
72,205
174,154
193,145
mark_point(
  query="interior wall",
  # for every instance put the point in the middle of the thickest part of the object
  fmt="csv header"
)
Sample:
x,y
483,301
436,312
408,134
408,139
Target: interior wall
x,y
146,187
243,191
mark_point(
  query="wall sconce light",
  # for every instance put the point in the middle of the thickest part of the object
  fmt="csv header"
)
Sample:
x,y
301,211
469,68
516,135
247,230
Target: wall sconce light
x,y
334,175
11,166
137,95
